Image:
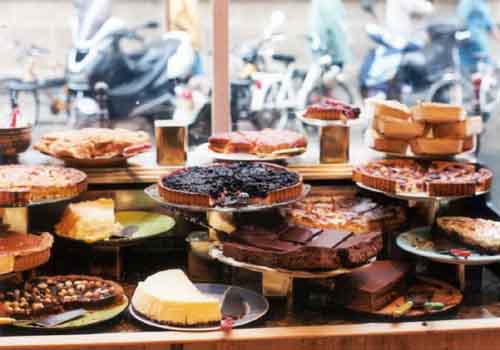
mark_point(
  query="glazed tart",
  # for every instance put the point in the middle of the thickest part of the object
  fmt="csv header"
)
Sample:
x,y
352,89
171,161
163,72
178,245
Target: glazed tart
x,y
437,178
231,185
346,213
21,252
22,184
478,233
57,294
331,109
262,142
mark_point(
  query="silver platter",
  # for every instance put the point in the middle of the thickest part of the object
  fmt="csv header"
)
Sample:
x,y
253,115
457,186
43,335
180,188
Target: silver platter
x,y
216,253
256,306
152,192
417,196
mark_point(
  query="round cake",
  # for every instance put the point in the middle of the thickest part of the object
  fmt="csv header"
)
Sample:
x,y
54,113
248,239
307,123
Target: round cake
x,y
23,184
232,184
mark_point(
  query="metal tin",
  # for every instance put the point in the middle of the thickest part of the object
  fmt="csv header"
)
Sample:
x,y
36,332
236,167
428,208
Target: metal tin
x,y
171,142
334,144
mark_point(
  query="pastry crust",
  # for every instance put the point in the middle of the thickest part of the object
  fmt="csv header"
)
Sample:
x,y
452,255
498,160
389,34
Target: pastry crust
x,y
438,178
477,233
183,197
27,250
265,141
23,184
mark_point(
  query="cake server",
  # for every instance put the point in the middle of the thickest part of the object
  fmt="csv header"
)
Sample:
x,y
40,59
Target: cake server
x,y
54,320
232,304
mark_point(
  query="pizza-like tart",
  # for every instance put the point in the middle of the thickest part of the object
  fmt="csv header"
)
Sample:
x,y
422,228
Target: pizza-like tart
x,y
477,233
262,142
346,212
437,178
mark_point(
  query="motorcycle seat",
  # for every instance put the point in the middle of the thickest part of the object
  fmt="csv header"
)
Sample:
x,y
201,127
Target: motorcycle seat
x,y
281,57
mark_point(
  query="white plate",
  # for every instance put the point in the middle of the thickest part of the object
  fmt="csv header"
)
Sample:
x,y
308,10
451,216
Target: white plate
x,y
245,157
406,239
320,123
256,306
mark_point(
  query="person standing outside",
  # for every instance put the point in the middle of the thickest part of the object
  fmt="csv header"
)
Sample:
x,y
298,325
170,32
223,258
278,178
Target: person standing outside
x,y
183,15
401,16
476,15
327,22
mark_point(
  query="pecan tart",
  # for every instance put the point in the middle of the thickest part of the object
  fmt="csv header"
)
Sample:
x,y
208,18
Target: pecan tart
x,y
477,233
232,184
21,251
262,142
437,178
23,184
346,213
57,294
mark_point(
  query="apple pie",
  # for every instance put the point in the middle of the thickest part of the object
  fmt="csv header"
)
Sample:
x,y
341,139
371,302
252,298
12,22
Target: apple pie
x,y
93,143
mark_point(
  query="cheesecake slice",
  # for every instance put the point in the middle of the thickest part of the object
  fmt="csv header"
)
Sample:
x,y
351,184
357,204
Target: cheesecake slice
x,y
89,221
169,297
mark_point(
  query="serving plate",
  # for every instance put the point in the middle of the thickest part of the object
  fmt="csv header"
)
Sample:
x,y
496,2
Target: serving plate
x,y
246,157
442,293
256,306
422,242
92,318
361,120
152,192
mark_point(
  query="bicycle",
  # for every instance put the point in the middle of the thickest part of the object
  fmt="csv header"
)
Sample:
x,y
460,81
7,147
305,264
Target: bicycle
x,y
30,94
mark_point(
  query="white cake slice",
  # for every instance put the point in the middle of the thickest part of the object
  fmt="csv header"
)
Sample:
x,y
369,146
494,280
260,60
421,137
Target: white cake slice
x,y
169,297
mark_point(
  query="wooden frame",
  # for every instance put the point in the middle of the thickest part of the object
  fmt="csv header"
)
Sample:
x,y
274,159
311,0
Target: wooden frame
x,y
454,334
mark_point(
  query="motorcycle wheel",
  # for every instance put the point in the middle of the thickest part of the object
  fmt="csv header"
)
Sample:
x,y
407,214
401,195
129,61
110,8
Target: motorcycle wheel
x,y
460,92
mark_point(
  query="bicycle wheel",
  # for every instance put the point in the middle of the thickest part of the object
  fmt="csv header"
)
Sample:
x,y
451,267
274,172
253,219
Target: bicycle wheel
x,y
26,97
339,91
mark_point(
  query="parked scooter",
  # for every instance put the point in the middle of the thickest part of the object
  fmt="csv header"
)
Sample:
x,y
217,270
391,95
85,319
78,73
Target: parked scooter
x,y
140,83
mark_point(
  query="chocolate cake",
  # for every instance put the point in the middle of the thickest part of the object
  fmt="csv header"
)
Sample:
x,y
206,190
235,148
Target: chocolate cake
x,y
299,248
371,288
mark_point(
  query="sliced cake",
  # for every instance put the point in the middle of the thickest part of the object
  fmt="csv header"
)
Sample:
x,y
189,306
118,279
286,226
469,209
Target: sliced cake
x,y
89,221
169,297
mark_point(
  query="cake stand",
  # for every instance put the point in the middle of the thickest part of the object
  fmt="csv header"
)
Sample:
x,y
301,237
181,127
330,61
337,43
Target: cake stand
x,y
246,157
334,137
278,281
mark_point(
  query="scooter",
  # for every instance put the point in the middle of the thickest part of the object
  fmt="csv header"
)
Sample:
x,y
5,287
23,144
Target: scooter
x,y
141,83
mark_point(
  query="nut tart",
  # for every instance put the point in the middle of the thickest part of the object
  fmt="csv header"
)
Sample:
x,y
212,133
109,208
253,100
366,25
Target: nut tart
x,y
261,142
21,252
437,178
350,213
57,294
231,185
477,233
23,184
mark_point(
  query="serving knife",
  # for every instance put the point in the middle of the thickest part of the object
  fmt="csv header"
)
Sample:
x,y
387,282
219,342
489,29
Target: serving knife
x,y
126,232
49,321
233,308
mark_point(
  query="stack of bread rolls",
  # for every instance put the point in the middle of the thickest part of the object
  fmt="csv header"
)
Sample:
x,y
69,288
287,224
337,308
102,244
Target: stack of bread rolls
x,y
427,129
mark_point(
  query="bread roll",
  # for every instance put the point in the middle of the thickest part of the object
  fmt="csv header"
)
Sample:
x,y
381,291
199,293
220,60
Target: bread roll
x,y
390,109
436,146
436,113
468,127
396,128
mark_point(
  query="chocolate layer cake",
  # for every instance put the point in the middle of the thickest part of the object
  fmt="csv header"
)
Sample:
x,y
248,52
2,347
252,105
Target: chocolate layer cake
x,y
371,288
298,248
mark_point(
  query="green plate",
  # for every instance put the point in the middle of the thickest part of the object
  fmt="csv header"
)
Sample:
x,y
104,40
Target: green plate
x,y
146,225
92,318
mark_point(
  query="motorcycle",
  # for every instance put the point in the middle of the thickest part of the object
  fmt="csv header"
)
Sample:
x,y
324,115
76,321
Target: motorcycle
x,y
139,83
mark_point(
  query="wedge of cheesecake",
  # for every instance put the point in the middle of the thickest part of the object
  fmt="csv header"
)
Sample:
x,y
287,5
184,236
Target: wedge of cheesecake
x,y
89,221
169,297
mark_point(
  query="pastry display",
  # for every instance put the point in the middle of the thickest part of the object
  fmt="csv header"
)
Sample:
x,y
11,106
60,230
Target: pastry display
x,y
89,221
23,184
169,297
300,248
21,251
437,178
373,287
346,212
331,109
430,129
481,234
93,143
264,142
57,294
232,184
